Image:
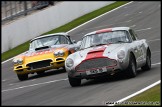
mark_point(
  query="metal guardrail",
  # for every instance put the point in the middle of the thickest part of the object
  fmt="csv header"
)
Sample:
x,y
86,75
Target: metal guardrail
x,y
11,10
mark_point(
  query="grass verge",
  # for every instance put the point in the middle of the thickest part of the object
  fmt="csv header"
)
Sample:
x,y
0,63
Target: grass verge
x,y
24,47
150,97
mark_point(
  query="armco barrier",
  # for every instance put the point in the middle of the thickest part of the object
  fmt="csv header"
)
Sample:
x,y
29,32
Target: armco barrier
x,y
26,28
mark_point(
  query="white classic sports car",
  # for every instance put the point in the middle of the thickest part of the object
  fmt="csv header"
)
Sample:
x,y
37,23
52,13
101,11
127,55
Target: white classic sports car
x,y
108,51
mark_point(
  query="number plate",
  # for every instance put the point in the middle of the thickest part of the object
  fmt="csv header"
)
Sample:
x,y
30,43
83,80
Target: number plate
x,y
96,71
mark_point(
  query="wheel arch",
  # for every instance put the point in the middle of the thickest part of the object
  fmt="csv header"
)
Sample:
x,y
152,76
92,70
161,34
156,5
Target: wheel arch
x,y
149,51
131,53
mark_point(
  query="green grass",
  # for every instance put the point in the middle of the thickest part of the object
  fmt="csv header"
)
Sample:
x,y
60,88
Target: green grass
x,y
150,97
24,47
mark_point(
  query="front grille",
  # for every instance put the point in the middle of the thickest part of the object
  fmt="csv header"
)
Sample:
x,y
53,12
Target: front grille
x,y
95,63
59,59
39,64
19,67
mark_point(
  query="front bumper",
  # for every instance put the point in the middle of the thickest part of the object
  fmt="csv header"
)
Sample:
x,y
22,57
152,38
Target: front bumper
x,y
110,70
26,70
84,75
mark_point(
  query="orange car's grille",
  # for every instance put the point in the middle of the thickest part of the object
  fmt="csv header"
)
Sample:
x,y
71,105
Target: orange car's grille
x,y
39,64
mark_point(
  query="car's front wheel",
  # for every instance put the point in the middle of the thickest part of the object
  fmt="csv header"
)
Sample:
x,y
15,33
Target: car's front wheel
x,y
74,81
132,69
22,77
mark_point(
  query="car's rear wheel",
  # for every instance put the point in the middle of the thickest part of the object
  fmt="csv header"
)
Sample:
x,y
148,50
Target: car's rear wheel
x,y
74,81
22,77
147,66
132,69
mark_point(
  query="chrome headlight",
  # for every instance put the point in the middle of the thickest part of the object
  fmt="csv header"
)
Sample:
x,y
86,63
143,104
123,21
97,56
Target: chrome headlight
x,y
56,53
18,61
69,62
59,53
121,54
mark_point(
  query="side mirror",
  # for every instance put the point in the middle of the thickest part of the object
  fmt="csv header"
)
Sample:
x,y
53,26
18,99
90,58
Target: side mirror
x,y
74,41
79,43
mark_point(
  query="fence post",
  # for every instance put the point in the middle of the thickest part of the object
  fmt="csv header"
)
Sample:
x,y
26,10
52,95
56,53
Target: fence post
x,y
5,6
25,8
11,8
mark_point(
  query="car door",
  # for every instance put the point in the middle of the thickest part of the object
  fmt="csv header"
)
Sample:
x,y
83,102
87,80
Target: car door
x,y
142,50
137,47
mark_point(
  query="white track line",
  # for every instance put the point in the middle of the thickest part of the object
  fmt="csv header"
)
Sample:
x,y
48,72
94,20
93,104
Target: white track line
x,y
6,60
100,16
155,52
126,14
128,21
47,82
156,63
143,29
86,22
34,85
11,58
136,93
3,80
106,25
154,40
132,26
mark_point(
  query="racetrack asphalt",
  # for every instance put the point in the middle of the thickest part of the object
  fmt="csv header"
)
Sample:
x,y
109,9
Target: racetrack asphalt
x,y
53,88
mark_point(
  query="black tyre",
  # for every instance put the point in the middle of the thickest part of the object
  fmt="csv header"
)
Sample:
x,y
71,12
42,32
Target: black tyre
x,y
64,69
147,66
74,81
132,69
22,77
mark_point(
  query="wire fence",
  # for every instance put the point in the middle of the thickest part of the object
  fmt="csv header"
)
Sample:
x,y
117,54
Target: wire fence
x,y
11,10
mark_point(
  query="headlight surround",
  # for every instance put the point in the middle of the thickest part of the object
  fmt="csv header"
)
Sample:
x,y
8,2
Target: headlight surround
x,y
56,53
18,61
121,54
69,62
59,53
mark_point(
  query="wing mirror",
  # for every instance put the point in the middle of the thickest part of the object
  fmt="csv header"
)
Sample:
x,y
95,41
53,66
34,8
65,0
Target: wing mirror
x,y
74,41
79,43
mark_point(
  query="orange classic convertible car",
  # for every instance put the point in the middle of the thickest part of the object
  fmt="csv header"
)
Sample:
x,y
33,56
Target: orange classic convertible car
x,y
45,52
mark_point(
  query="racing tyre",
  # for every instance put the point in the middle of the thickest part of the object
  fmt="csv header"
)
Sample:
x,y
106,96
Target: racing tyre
x,y
22,77
132,69
147,66
74,81
64,69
